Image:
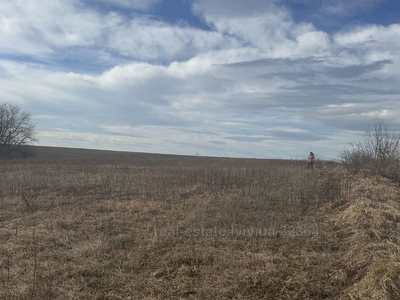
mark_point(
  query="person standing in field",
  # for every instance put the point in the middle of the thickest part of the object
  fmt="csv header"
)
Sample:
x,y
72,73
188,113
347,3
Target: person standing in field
x,y
311,160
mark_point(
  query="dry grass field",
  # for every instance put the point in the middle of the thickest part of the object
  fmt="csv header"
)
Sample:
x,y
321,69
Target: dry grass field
x,y
168,227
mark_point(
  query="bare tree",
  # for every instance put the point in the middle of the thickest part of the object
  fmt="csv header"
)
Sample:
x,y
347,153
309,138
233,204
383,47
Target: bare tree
x,y
16,127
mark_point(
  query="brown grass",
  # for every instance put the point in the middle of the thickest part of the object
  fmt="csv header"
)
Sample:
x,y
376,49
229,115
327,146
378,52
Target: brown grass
x,y
196,229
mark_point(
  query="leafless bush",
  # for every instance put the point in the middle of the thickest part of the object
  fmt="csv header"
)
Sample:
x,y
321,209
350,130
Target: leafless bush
x,y
379,152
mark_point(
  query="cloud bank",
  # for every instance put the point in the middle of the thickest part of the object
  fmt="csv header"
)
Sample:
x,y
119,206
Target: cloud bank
x,y
252,81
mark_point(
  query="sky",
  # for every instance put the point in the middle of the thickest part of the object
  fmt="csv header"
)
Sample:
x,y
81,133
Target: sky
x,y
254,78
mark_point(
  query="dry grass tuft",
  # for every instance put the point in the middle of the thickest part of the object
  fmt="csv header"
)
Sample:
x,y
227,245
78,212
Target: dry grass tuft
x,y
367,227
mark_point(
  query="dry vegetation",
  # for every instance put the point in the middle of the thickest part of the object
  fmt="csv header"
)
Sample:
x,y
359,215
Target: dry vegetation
x,y
195,228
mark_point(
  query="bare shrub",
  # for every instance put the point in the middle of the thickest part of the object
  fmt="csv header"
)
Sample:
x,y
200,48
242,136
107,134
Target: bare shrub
x,y
379,152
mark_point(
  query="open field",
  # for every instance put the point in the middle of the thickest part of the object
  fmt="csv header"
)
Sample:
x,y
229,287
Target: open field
x,y
126,226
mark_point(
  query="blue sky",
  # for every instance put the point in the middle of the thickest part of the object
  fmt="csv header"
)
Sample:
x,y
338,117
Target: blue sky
x,y
237,78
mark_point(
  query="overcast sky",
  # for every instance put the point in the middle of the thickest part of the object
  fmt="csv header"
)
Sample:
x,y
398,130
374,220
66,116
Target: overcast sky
x,y
251,78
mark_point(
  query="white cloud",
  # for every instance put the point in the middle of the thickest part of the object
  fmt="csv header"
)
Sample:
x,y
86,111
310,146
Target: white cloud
x,y
264,25
31,29
371,36
346,8
148,39
135,4
232,8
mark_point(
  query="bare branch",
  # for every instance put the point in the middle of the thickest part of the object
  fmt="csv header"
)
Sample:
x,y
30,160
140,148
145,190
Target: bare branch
x,y
16,127
380,152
